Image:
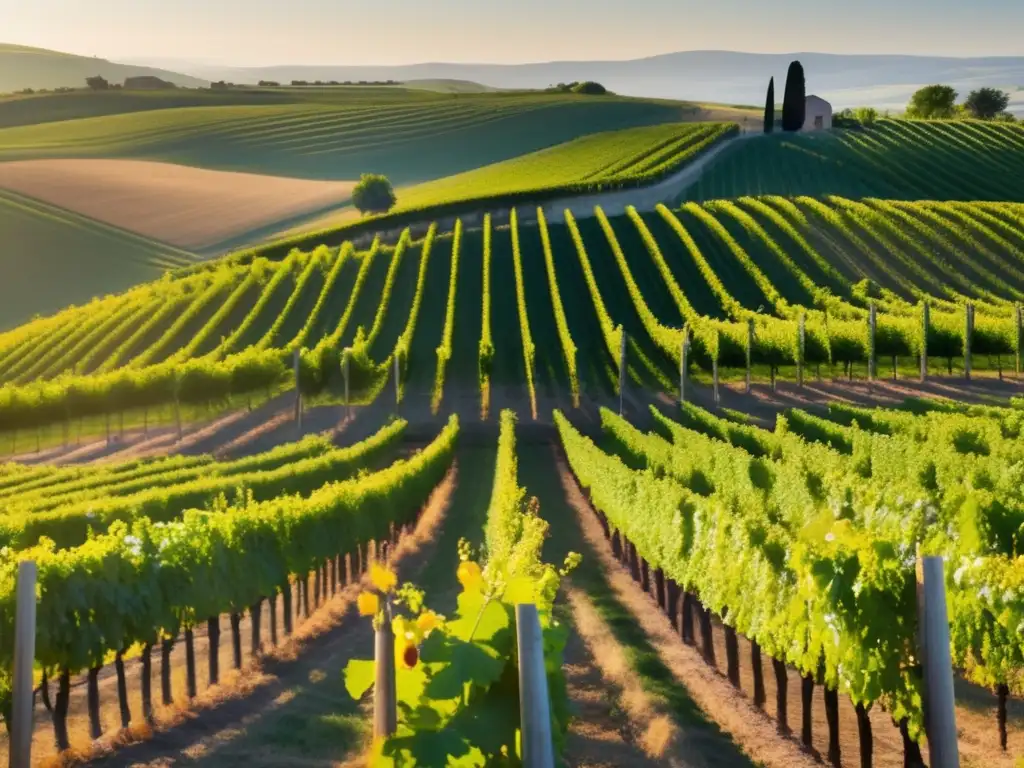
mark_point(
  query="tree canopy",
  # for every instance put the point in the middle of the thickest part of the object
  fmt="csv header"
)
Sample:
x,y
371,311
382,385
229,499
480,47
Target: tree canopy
x,y
769,108
794,101
986,103
933,102
373,194
97,83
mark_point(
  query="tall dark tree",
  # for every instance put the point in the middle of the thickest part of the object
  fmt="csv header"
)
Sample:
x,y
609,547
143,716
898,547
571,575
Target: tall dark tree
x,y
769,108
794,102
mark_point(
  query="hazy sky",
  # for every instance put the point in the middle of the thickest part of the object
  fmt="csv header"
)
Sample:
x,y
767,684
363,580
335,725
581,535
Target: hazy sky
x,y
247,32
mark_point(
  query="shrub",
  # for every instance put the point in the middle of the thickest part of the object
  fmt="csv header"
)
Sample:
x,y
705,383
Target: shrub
x,y
590,88
866,115
373,194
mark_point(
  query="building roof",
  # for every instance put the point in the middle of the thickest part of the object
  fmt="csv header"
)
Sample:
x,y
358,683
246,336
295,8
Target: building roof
x,y
812,97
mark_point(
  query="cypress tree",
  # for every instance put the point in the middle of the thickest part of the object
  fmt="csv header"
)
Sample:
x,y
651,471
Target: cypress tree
x,y
769,108
794,102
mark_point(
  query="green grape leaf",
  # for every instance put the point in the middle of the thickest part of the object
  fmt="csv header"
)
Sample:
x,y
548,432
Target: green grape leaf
x,y
427,748
470,663
492,720
479,620
520,590
359,677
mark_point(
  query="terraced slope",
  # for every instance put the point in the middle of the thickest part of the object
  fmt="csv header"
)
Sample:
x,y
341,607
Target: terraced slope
x,y
421,137
900,159
538,309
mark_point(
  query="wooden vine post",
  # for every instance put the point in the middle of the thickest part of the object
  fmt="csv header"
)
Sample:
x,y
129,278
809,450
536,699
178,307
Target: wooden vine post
x,y
872,346
385,695
534,703
933,639
344,373
1018,315
801,349
622,370
296,364
24,658
924,340
398,381
750,346
714,377
968,338
683,361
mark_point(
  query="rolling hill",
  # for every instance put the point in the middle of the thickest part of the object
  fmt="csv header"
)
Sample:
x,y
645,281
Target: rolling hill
x,y
885,81
54,258
912,160
412,136
23,67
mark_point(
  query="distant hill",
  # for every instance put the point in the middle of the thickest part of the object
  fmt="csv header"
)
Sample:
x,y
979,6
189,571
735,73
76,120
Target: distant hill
x,y
448,86
37,68
722,76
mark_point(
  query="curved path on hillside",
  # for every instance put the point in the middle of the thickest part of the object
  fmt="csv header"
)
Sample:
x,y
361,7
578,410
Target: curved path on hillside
x,y
614,202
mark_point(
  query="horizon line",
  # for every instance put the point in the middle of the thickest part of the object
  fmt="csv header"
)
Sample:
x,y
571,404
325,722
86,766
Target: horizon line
x,y
549,62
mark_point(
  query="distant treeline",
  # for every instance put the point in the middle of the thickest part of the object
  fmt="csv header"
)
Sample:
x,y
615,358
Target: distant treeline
x,y
299,83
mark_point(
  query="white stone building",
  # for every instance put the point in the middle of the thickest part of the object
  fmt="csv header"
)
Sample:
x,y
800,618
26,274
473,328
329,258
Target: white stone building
x,y
818,114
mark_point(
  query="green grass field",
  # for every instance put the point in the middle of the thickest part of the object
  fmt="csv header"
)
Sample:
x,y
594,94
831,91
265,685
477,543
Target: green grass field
x,y
53,258
896,159
412,136
600,161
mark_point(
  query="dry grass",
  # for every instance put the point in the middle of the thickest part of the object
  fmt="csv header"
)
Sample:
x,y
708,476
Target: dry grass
x,y
749,727
191,208
656,734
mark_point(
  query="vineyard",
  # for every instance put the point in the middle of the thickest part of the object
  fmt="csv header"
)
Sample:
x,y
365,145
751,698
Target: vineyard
x,y
465,367
803,540
901,159
536,307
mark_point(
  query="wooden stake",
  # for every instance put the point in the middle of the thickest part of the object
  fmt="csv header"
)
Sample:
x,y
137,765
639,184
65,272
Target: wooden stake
x,y
750,345
385,704
534,702
622,370
24,659
933,638
344,373
924,340
801,351
683,354
872,346
714,377
968,337
296,364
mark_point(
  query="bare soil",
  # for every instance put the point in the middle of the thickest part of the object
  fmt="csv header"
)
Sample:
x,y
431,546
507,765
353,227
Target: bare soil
x,y
192,208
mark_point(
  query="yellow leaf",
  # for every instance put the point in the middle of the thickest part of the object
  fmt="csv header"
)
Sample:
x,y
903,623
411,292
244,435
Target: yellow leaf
x,y
427,622
469,576
383,578
368,604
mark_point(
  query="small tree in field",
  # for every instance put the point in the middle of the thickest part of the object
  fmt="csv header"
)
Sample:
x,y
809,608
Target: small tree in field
x,y
769,108
986,103
933,102
373,194
97,83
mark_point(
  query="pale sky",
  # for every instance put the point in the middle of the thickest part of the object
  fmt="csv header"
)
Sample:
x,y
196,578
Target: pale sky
x,y
266,32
